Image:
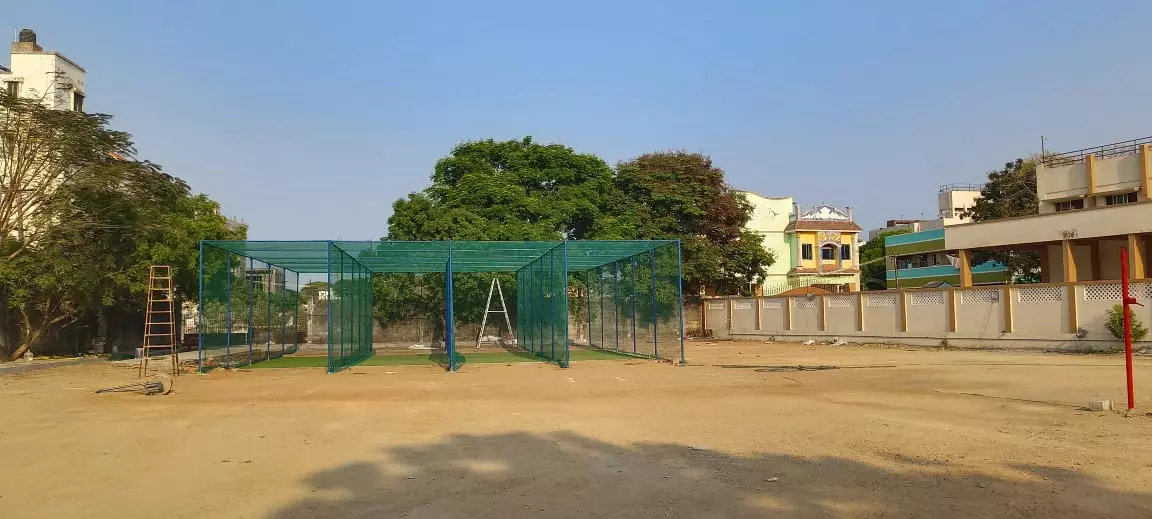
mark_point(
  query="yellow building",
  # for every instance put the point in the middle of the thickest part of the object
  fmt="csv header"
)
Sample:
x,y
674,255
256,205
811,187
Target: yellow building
x,y
824,249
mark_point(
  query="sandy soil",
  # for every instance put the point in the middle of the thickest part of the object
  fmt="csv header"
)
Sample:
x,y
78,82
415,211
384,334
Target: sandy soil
x,y
891,433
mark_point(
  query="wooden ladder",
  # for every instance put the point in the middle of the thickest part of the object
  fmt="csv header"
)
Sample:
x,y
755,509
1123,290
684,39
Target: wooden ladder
x,y
160,318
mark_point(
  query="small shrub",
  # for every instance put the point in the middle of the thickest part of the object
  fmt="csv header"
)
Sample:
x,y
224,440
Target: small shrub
x,y
1116,324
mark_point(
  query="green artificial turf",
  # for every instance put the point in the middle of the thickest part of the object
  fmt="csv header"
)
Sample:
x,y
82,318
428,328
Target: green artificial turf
x,y
441,359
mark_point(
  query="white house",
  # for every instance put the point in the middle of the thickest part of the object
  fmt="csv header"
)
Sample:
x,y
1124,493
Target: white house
x,y
35,73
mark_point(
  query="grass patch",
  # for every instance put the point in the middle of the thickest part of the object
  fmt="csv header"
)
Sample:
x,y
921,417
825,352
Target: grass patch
x,y
439,359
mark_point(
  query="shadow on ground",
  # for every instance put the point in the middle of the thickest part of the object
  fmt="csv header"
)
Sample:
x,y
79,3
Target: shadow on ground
x,y
567,475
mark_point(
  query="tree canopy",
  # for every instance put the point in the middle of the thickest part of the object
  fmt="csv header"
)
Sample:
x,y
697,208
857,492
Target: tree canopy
x,y
680,195
1010,192
99,218
524,190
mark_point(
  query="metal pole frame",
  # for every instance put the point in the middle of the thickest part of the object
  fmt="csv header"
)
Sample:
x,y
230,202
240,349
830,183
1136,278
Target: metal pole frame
x,y
251,309
552,304
635,349
616,299
268,296
680,297
1128,301
600,273
200,314
283,310
588,302
228,310
564,291
296,326
449,324
328,317
655,341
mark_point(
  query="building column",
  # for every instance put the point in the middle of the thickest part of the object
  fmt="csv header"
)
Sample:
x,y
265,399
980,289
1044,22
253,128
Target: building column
x,y
965,268
1070,275
1146,167
1090,167
1136,255
1094,249
1045,265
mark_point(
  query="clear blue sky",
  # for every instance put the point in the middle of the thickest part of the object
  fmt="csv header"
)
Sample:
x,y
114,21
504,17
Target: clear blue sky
x,y
308,119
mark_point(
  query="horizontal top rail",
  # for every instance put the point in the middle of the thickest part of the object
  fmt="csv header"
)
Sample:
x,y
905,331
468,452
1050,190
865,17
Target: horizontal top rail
x,y
1106,151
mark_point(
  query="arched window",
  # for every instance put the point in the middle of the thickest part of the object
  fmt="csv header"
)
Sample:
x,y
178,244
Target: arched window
x,y
828,252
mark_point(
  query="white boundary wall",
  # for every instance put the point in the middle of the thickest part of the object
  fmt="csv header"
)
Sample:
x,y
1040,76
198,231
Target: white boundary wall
x,y
1069,316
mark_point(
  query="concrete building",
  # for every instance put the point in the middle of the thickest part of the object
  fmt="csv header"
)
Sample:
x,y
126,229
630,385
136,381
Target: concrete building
x,y
1093,202
48,76
952,201
770,216
921,259
825,248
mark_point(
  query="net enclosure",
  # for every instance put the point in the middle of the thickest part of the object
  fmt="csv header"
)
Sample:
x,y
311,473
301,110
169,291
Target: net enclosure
x,y
261,300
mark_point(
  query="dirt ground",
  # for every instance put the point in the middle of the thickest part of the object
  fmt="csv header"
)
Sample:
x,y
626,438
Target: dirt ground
x,y
738,433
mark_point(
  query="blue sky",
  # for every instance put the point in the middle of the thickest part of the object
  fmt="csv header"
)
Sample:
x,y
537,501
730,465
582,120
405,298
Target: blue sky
x,y
308,119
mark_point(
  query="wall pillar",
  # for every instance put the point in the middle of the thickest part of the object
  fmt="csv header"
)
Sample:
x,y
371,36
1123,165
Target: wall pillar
x,y
756,301
1070,267
953,320
860,311
965,268
1006,302
1090,167
1146,167
787,313
1136,255
903,311
1073,313
822,317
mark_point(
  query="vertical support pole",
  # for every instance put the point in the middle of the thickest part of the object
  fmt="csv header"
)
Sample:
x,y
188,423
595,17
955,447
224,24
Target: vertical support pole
x,y
283,310
268,311
296,327
787,313
552,306
633,272
251,309
600,275
1128,302
449,318
1094,258
228,310
588,302
680,299
564,291
616,299
331,296
652,288
200,314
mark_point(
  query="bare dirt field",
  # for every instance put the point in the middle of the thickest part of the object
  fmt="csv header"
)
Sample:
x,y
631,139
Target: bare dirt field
x,y
738,433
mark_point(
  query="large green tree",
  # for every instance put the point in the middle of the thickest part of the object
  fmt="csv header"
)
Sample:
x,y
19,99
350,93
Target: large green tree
x,y
681,195
1010,192
490,190
92,220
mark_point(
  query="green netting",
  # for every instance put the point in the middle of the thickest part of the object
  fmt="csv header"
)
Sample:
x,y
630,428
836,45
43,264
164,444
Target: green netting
x,y
616,295
248,310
